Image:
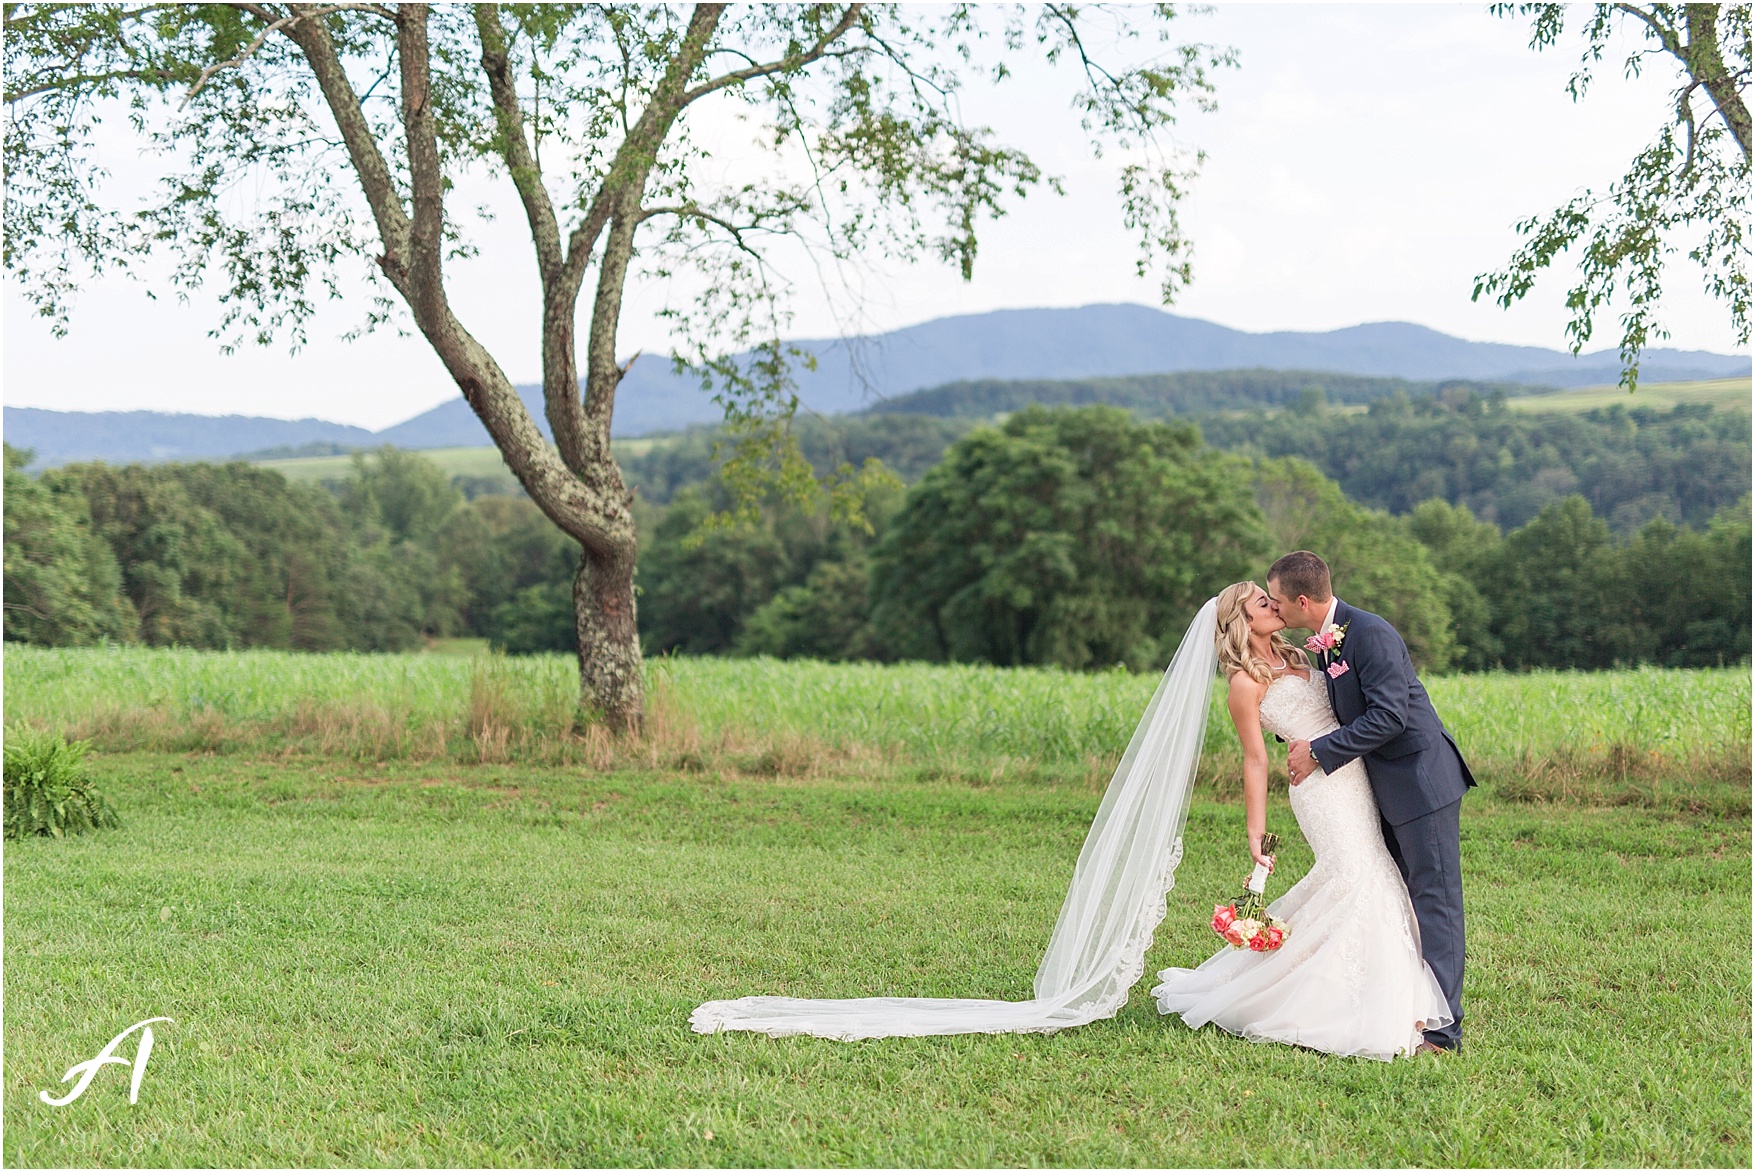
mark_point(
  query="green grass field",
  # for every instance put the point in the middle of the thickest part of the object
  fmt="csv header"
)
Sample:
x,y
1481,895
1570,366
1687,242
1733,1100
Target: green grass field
x,y
1719,393
484,461
436,964
404,910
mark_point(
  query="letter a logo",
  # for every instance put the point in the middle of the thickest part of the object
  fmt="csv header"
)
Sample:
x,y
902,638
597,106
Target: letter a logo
x,y
88,1069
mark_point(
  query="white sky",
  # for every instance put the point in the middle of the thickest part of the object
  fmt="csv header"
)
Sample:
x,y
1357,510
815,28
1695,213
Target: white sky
x,y
1365,163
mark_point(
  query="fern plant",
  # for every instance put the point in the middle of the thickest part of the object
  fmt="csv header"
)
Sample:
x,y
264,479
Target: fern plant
x,y
47,790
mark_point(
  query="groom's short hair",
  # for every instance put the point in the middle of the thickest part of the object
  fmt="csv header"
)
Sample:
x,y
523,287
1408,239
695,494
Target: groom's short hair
x,y
1303,573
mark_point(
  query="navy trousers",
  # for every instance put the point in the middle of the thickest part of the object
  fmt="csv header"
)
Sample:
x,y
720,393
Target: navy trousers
x,y
1428,850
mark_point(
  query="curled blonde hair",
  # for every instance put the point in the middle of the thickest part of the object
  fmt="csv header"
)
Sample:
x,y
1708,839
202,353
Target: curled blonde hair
x,y
1232,638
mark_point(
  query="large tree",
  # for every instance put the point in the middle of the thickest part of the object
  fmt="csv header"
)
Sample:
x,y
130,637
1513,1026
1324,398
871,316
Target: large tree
x,y
353,123
1692,182
1067,536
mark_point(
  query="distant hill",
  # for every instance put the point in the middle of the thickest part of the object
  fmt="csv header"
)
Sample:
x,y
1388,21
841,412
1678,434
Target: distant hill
x,y
121,437
1094,342
1185,393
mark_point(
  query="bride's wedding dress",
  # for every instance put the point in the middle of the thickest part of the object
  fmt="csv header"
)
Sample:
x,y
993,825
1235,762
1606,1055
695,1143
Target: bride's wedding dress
x,y
1349,978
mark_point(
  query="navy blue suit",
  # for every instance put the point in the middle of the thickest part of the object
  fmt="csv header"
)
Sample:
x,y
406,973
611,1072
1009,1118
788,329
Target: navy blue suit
x,y
1418,775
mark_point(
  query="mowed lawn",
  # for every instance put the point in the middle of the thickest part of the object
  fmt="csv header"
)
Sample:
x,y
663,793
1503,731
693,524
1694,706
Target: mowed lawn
x,y
431,963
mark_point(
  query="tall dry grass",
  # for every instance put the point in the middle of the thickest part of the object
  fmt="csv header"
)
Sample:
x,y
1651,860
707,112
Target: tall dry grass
x,y
1661,738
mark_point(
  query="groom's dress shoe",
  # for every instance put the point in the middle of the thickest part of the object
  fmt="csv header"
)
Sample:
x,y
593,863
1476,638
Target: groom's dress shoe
x,y
1430,1048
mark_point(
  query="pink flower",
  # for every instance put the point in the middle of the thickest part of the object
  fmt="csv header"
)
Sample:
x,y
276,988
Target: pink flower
x,y
1224,915
1234,935
1275,937
1259,942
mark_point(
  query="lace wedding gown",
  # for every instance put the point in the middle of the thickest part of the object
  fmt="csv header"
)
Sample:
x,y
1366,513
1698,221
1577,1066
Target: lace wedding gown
x,y
1349,978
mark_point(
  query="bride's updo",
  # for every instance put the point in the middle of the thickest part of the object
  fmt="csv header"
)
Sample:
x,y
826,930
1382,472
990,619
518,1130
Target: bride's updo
x,y
1232,638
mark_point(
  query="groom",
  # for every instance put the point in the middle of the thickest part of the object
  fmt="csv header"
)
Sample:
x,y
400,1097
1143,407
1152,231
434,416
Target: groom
x,y
1416,770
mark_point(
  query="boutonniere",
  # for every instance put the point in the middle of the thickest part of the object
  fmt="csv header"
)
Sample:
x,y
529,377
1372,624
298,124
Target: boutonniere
x,y
1327,642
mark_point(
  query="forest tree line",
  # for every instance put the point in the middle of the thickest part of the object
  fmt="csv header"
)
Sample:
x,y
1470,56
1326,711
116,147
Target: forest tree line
x,y
1077,537
1632,464
1082,538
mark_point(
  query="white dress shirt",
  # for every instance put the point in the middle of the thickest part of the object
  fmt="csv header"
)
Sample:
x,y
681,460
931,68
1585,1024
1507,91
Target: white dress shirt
x,y
1329,622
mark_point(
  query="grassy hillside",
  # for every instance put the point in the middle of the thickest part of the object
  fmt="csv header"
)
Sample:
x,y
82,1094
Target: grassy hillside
x,y
483,461
478,462
1720,393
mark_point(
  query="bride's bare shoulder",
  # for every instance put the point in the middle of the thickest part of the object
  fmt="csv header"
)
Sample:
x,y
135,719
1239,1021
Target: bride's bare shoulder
x,y
1246,687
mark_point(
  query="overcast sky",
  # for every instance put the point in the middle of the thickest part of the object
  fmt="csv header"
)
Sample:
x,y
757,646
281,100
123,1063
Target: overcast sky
x,y
1365,163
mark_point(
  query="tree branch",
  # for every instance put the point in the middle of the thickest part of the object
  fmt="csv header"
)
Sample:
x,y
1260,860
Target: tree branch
x,y
425,171
262,37
560,370
695,212
1091,68
574,506
617,203
526,173
16,21
639,147
74,82
1685,115
312,38
785,64
1706,65
1666,34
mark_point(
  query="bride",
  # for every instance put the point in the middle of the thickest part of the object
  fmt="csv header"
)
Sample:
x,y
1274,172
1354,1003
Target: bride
x,y
1349,978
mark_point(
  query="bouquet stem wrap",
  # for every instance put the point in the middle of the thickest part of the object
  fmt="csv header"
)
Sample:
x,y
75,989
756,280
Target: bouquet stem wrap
x,y
1245,922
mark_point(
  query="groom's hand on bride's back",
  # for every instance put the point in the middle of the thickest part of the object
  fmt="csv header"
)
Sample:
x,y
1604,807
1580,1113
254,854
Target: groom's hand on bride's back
x,y
1299,761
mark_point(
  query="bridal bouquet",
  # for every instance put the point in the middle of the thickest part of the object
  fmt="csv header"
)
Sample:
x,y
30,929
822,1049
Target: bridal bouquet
x,y
1245,922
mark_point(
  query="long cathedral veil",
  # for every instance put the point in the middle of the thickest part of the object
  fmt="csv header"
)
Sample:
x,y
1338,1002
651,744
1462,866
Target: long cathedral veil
x,y
1098,949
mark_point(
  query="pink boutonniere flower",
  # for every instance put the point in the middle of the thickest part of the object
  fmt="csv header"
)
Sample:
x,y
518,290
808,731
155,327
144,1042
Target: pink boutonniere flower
x,y
1338,669
1329,640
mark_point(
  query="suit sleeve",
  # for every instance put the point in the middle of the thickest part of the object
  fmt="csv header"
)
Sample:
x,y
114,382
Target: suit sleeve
x,y
1381,666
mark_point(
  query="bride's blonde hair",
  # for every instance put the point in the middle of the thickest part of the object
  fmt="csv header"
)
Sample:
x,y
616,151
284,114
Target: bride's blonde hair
x,y
1232,638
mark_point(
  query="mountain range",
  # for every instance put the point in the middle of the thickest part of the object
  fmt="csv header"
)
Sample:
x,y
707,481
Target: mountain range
x,y
860,373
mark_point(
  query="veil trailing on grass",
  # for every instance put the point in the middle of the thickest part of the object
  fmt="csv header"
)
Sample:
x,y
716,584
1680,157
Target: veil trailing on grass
x,y
1098,949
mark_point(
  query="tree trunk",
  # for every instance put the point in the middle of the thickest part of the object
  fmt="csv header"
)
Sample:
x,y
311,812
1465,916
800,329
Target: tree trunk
x,y
1706,66
610,668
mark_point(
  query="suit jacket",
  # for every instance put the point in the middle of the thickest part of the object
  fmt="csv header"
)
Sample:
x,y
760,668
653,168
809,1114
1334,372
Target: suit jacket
x,y
1388,721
